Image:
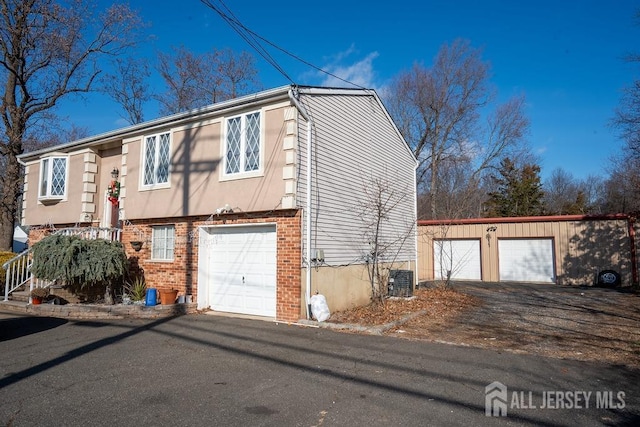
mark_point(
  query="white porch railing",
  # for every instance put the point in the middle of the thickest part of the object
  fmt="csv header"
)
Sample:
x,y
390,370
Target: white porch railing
x,y
18,268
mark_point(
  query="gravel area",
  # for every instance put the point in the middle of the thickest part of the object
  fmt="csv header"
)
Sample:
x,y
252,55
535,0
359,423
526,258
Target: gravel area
x,y
572,322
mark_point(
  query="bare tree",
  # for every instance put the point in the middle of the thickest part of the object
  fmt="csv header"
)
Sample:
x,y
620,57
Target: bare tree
x,y
385,236
238,74
593,187
48,50
179,71
562,193
626,117
621,189
129,87
439,111
194,81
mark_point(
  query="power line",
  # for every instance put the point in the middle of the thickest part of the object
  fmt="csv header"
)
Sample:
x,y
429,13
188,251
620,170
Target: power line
x,y
252,38
238,27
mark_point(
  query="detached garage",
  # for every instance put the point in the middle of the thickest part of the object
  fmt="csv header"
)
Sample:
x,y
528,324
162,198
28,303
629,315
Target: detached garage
x,y
568,250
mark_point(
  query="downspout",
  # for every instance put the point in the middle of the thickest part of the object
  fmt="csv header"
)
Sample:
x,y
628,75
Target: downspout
x,y
415,225
306,116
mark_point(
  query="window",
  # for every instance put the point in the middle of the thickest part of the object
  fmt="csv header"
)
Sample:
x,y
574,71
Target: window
x,y
242,154
53,178
162,240
156,160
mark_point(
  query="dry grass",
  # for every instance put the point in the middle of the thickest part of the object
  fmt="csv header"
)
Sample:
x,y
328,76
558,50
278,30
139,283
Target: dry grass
x,y
441,303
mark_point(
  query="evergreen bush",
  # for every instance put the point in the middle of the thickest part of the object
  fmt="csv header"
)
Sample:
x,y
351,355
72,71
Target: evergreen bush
x,y
77,262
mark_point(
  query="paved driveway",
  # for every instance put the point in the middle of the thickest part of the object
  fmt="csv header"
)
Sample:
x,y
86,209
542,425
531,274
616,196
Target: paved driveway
x,y
209,370
584,323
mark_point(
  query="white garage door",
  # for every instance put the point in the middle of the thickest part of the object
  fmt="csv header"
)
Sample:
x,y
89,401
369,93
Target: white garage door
x,y
238,269
526,260
461,257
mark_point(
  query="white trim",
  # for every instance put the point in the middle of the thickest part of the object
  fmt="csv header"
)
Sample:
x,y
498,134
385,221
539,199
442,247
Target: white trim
x,y
49,198
203,253
224,176
143,156
165,248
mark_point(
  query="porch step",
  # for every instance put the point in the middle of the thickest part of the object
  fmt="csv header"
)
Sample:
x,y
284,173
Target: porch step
x,y
22,296
13,305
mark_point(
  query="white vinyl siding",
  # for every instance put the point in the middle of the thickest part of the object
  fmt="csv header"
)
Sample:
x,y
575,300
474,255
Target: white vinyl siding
x,y
354,144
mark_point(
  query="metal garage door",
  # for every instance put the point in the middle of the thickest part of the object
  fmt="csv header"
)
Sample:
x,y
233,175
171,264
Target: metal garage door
x,y
239,269
526,260
461,257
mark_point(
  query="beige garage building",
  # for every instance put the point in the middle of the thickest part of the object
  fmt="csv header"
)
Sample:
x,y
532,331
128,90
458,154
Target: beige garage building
x,y
569,249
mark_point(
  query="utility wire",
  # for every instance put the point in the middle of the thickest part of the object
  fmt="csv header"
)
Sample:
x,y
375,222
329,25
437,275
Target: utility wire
x,y
252,37
239,28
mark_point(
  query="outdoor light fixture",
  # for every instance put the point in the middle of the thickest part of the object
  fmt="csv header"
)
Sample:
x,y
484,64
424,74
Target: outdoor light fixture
x,y
115,173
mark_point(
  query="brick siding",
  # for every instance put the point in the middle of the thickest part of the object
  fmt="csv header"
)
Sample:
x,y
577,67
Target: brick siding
x,y
181,273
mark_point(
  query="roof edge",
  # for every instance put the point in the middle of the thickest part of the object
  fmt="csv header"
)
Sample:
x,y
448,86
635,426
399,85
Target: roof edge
x,y
507,220
174,118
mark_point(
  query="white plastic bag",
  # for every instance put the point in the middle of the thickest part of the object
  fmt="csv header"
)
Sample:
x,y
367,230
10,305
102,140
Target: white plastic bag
x,y
319,307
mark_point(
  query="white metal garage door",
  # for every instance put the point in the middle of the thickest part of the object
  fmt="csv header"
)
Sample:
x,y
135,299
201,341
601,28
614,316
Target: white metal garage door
x,y
239,269
526,260
461,257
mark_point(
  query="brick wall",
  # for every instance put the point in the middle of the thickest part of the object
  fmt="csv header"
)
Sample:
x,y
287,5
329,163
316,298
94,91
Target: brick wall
x,y
182,272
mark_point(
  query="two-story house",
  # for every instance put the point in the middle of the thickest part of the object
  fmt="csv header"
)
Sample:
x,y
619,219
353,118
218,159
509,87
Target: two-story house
x,y
249,205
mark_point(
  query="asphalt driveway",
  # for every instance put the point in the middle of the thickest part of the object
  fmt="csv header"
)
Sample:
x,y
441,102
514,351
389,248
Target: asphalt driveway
x,y
583,323
210,370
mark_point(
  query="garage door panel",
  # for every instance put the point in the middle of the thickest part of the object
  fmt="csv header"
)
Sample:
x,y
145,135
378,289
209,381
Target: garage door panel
x,y
461,257
526,260
241,269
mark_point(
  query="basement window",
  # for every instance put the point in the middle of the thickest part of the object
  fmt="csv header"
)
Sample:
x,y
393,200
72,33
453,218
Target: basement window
x,y
163,242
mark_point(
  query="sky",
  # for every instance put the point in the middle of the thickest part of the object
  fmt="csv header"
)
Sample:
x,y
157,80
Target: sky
x,y
567,57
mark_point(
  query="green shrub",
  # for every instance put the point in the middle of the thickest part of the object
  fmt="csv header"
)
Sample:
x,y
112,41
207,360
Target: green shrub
x,y
136,289
78,262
